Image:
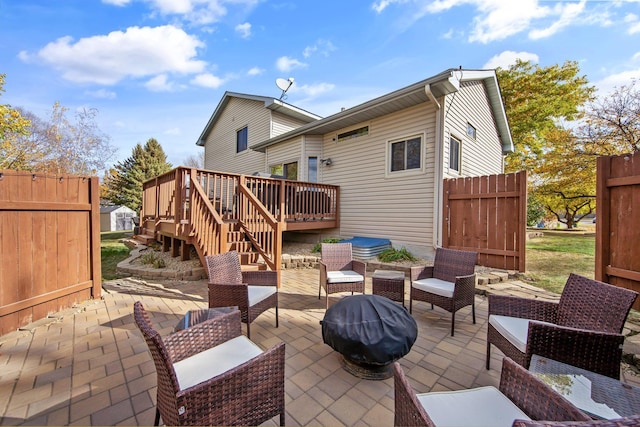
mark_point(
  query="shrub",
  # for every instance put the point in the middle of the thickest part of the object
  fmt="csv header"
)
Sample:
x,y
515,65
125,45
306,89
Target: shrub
x,y
318,246
391,255
150,258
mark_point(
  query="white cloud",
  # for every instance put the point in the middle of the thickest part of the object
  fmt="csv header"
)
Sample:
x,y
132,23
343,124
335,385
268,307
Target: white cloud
x,y
568,13
255,71
102,94
507,58
313,90
172,131
610,83
633,23
499,19
244,30
381,5
284,63
208,80
199,12
137,52
117,2
160,83
323,47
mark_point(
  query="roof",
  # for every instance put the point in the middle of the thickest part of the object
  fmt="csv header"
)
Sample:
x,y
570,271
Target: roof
x,y
439,85
109,209
269,102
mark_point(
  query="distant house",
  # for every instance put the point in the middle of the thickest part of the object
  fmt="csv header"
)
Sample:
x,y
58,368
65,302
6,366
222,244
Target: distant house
x,y
116,218
389,155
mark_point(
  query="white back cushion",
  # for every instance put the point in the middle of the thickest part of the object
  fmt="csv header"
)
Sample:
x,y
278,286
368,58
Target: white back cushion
x,y
214,361
478,407
343,276
514,329
435,286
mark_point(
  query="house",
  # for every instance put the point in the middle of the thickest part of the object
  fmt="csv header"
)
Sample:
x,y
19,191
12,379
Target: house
x,y
116,218
389,155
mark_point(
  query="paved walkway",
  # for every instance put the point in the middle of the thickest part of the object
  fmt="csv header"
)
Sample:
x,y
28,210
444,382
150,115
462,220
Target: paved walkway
x,y
91,366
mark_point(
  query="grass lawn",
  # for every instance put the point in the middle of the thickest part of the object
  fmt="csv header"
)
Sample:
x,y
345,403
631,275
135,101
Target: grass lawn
x,y
112,252
552,257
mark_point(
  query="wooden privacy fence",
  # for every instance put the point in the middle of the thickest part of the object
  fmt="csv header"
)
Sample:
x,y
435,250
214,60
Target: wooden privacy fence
x,y
49,245
487,214
618,222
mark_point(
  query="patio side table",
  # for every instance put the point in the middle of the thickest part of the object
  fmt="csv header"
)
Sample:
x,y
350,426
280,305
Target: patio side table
x,y
193,317
388,283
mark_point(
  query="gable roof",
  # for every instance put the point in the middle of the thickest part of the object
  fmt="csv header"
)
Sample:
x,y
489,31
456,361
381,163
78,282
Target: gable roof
x,y
269,103
439,85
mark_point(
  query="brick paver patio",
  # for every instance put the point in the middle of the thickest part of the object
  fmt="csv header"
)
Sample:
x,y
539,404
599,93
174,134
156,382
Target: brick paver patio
x,y
90,365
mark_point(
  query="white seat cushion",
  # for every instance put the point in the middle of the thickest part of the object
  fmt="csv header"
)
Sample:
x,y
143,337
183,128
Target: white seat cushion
x,y
435,286
214,361
343,276
514,329
478,407
259,293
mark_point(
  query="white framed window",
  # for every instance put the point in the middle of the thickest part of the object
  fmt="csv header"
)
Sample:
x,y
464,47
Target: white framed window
x,y
455,151
471,131
405,155
312,169
286,170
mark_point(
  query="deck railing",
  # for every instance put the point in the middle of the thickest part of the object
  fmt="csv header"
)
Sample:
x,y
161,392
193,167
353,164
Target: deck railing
x,y
200,206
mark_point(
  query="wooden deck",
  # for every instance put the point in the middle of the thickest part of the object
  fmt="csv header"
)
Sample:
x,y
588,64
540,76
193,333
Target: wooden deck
x,y
217,212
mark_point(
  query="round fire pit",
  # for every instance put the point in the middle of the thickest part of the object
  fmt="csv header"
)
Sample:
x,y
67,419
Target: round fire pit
x,y
370,332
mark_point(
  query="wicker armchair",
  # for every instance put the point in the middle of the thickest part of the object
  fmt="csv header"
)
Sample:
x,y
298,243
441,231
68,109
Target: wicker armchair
x,y
632,421
583,329
450,283
339,272
253,292
520,396
210,374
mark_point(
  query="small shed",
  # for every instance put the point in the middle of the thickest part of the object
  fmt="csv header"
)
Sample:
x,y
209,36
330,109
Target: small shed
x,y
116,218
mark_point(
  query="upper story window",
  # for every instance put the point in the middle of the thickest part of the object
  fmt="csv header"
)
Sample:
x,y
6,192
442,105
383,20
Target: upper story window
x,y
454,154
405,154
242,138
471,131
355,133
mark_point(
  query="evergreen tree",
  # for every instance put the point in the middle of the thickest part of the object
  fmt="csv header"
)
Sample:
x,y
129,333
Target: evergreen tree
x,y
125,185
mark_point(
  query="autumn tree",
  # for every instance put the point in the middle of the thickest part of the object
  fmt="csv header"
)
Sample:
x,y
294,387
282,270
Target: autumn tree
x,y
12,124
125,185
536,99
195,160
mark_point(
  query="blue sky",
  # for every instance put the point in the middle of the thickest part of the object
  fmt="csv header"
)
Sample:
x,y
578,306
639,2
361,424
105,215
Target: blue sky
x,y
158,68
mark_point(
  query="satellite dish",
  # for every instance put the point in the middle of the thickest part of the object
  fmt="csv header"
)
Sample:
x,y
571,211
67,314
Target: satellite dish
x,y
284,85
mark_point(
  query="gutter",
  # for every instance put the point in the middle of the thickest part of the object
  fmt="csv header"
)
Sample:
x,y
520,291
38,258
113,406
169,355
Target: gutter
x,y
437,188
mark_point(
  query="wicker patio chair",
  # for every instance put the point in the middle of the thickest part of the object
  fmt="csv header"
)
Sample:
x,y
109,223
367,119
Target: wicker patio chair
x,y
520,396
583,329
339,272
632,421
253,292
211,374
450,283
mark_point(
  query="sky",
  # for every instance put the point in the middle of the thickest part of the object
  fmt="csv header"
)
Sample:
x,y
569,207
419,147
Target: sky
x,y
158,68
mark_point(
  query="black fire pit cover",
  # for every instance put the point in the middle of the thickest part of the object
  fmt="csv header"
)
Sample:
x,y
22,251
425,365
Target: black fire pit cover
x,y
369,329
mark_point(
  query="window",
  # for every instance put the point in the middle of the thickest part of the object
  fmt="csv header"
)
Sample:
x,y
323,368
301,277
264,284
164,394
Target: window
x,y
454,154
312,170
471,131
355,133
287,170
406,154
241,140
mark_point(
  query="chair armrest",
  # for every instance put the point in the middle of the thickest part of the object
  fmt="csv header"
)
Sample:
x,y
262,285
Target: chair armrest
x,y
323,272
465,285
418,273
260,278
595,351
359,267
631,421
229,294
524,308
202,336
534,397
249,382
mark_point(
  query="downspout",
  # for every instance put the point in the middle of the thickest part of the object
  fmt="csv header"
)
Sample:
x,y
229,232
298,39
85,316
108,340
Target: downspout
x,y
437,188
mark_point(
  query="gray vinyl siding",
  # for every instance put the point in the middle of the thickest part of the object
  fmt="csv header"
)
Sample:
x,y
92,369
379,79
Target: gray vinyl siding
x,y
312,148
374,204
220,146
482,156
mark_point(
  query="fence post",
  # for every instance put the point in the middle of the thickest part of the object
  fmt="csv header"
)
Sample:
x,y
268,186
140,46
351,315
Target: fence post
x,y
603,206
